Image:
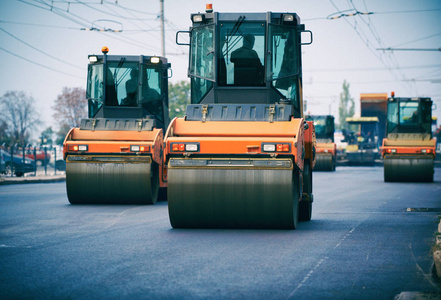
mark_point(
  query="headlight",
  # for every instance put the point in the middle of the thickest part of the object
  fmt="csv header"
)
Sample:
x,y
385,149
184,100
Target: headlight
x,y
198,18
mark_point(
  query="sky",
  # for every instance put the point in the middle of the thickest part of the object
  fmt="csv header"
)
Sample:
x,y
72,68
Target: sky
x,y
44,45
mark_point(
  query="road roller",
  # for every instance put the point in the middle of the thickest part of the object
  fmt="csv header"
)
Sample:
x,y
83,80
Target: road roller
x,y
326,149
362,139
115,156
243,154
409,149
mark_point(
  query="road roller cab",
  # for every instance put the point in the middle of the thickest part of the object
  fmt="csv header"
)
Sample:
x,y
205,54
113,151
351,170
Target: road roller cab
x,y
242,156
409,149
326,149
115,156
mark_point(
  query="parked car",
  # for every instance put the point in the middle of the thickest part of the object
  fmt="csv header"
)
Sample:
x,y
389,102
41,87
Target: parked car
x,y
40,156
20,166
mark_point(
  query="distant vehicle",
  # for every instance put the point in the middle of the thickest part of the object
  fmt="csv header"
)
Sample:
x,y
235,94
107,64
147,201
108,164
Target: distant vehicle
x,y
20,165
409,149
363,144
57,158
326,149
339,140
375,105
40,156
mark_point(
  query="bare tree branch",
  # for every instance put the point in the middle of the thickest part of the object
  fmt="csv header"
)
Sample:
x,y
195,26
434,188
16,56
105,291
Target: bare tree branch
x,y
19,114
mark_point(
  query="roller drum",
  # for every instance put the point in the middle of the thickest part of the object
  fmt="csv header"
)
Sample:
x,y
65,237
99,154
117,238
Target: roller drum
x,y
112,181
324,162
408,169
233,198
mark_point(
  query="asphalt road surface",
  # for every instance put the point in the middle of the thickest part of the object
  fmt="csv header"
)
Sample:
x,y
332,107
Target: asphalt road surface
x,y
367,240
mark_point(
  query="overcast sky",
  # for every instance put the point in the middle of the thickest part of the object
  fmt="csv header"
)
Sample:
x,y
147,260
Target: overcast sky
x,y
44,48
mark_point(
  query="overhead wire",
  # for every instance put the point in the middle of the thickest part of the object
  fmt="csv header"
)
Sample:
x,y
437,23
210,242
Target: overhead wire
x,y
38,64
391,55
368,69
417,40
73,17
41,51
365,40
39,25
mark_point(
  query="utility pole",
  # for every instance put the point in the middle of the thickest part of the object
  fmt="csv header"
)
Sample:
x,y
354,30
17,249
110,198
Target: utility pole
x,y
162,27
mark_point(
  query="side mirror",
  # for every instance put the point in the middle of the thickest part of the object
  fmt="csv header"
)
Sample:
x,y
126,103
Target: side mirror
x,y
307,38
180,36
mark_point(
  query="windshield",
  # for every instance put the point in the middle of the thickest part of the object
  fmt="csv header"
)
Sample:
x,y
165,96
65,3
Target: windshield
x,y
409,113
323,126
320,127
409,116
122,83
241,54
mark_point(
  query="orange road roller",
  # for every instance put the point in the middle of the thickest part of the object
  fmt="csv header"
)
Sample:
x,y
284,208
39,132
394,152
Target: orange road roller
x,y
115,156
409,149
243,154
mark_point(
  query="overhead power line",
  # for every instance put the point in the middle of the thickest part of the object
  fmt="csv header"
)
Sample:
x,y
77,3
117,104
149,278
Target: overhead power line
x,y
417,40
36,49
409,49
367,69
41,65
389,61
354,12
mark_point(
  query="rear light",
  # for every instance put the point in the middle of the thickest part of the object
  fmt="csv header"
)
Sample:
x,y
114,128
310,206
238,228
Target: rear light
x,y
426,150
326,151
78,148
392,150
273,147
182,147
139,148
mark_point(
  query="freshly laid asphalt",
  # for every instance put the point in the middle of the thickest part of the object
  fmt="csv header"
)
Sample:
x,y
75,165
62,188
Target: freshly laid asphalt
x,y
367,240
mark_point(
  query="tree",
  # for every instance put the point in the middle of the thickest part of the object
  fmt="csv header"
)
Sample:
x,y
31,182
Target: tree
x,y
61,134
20,116
70,107
4,135
46,136
346,107
179,97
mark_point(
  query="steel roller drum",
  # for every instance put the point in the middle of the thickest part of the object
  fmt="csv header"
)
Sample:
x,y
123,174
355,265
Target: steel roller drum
x,y
111,180
236,197
408,168
324,162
